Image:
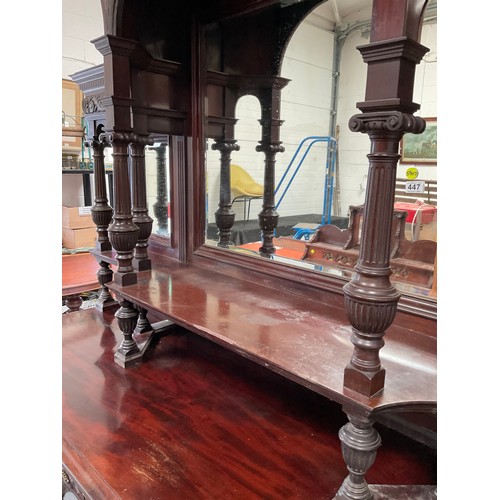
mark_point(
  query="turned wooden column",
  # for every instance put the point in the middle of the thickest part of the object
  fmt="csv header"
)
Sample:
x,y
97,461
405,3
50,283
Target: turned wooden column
x,y
360,442
104,276
143,324
123,233
270,144
224,215
160,207
387,113
268,217
129,351
370,298
102,213
140,215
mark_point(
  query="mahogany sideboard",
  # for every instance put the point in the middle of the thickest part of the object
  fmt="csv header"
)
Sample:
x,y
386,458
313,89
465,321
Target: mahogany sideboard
x,y
174,71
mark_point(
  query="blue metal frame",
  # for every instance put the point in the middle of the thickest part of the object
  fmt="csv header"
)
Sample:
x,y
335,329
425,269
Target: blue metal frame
x,y
329,179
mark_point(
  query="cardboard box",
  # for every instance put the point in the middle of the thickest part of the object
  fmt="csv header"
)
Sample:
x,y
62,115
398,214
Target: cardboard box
x,y
78,238
77,217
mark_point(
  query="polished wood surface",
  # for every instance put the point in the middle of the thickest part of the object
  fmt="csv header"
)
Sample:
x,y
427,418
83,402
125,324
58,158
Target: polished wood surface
x,y
179,68
197,421
308,341
79,273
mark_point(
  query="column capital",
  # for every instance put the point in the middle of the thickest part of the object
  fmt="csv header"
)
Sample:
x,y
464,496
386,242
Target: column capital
x,y
387,121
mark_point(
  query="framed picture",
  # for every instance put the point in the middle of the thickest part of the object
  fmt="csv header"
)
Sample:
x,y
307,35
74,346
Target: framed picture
x,y
421,148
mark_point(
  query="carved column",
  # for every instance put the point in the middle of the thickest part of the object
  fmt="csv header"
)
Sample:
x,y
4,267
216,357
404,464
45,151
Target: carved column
x,y
360,442
160,207
387,113
370,298
140,215
104,276
128,352
143,324
102,213
224,215
268,217
270,144
123,233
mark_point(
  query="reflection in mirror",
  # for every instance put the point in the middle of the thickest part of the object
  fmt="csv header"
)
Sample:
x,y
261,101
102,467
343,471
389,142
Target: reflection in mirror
x,y
158,187
320,178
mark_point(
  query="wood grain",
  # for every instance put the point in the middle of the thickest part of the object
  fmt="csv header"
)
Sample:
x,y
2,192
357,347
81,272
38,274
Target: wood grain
x,y
197,421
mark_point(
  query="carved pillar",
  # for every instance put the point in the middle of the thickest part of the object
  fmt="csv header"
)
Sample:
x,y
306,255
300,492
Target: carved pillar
x,y
224,215
160,207
102,213
128,352
370,298
270,145
123,233
140,215
360,442
104,276
387,113
143,324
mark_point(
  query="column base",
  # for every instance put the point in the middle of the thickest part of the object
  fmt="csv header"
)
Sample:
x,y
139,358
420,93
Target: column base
x,y
143,340
125,279
142,264
102,305
366,383
127,359
103,246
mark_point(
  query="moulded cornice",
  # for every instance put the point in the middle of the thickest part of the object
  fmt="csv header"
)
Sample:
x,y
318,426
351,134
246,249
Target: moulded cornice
x,y
109,44
402,47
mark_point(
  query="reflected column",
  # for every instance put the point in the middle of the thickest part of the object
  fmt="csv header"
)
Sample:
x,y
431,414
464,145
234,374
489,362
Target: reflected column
x,y
140,214
224,216
270,145
160,207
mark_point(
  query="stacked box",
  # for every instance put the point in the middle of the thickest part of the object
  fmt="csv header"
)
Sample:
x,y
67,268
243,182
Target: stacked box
x,y
78,229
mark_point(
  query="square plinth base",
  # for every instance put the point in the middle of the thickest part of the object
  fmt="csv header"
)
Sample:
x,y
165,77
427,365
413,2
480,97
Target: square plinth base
x,y
366,383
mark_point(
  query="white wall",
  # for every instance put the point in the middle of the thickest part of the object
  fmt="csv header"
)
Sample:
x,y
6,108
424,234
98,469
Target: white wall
x,y
353,146
81,23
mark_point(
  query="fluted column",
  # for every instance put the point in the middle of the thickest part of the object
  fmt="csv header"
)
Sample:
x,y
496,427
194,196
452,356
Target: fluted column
x,y
140,215
387,113
370,298
160,207
129,351
123,233
224,215
102,213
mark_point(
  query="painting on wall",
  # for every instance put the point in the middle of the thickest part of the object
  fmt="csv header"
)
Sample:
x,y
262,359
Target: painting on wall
x,y
421,148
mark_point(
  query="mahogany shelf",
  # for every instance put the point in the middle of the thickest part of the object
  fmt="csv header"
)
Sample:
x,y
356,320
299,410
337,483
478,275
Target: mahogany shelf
x,y
305,340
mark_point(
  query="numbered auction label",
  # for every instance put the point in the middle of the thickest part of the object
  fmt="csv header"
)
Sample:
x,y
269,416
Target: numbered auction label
x,y
415,187
411,173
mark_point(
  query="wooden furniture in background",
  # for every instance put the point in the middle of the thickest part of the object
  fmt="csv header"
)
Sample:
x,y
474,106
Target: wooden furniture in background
x,y
82,273
411,261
